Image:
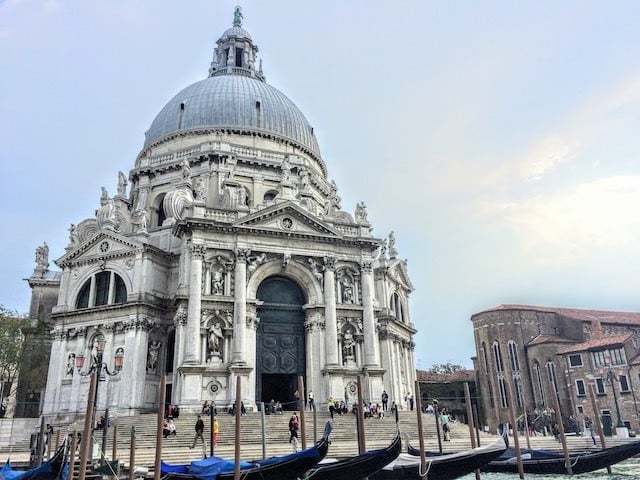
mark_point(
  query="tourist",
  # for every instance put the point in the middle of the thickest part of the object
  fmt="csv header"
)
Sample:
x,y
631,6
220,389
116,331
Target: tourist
x,y
312,405
588,425
216,431
243,410
165,428
331,405
429,409
294,424
199,427
205,407
380,411
444,418
394,408
385,400
272,406
172,427
296,395
411,402
279,408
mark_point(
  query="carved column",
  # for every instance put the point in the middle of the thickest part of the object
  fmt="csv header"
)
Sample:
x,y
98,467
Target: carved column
x,y
192,340
240,306
331,327
368,319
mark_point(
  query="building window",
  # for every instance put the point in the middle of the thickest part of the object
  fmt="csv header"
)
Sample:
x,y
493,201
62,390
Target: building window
x,y
239,55
513,356
103,288
497,360
600,386
599,359
575,360
487,372
538,374
519,395
580,388
617,356
551,372
624,384
160,214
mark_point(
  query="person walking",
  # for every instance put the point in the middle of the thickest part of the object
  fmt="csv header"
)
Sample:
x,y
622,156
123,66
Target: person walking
x,y
444,418
411,402
310,402
216,432
385,400
199,427
294,425
331,405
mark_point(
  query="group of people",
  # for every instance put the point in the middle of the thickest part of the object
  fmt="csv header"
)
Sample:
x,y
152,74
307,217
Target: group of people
x,y
199,435
273,407
168,428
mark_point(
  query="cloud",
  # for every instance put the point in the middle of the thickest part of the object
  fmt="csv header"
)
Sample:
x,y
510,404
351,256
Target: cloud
x,y
575,223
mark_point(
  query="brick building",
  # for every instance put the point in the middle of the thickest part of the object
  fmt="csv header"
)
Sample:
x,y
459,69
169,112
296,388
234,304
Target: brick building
x,y
539,350
448,390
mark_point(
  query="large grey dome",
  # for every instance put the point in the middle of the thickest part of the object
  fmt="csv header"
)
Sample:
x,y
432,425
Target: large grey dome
x,y
234,102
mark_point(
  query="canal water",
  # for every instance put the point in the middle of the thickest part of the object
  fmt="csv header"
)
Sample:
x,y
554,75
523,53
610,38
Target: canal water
x,y
623,471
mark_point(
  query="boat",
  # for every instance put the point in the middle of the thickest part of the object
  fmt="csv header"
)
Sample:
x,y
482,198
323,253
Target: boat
x,y
360,466
548,462
284,467
441,467
51,469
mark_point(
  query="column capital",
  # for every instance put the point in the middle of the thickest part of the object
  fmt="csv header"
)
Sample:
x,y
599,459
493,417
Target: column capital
x,y
197,251
366,266
329,263
242,254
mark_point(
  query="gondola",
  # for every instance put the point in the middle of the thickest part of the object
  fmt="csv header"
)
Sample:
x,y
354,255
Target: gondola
x,y
285,467
360,466
51,469
546,462
442,467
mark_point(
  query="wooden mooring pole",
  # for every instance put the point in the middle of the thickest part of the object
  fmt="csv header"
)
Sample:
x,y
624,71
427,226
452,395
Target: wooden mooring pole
x,y
596,421
72,454
563,438
132,453
423,460
472,433
303,425
436,415
512,420
236,472
263,431
160,421
362,446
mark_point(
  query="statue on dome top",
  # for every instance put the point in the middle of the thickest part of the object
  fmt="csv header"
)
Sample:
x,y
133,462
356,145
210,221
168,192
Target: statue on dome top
x,y
361,213
237,16
393,252
104,196
42,258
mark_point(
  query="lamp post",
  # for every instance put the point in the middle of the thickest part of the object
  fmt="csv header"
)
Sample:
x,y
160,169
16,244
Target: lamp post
x,y
611,380
98,366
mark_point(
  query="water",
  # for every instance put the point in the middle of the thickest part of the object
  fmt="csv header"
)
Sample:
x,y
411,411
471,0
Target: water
x,y
622,471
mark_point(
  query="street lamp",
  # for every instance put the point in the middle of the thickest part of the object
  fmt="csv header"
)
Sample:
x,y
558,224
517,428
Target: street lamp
x,y
98,366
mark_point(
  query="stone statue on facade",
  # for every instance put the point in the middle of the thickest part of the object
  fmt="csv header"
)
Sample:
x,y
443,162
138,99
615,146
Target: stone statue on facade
x,y
347,290
42,258
382,250
142,221
94,353
393,252
286,170
316,268
255,261
361,213
153,356
122,184
242,197
200,190
104,196
217,283
348,348
186,170
215,340
237,17
73,236
304,180
71,363
107,216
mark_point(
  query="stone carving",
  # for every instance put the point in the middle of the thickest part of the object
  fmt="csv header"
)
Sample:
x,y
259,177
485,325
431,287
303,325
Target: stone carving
x,y
361,213
153,356
176,201
186,170
348,348
73,236
42,258
242,254
304,180
104,196
237,17
94,353
382,250
242,197
217,282
329,263
286,170
140,220
215,341
346,286
393,252
201,190
255,261
122,184
316,268
180,317
107,216
71,363
333,203
286,258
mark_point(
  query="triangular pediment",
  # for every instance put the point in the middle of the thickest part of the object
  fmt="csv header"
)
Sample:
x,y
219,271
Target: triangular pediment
x,y
102,244
398,272
287,218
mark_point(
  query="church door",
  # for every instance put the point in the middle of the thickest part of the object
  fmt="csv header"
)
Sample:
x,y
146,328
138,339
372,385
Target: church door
x,y
280,349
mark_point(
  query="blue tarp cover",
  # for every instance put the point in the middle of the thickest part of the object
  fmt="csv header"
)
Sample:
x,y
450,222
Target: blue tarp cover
x,y
8,473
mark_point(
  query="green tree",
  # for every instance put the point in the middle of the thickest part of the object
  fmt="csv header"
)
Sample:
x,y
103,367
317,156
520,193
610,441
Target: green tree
x,y
445,368
11,346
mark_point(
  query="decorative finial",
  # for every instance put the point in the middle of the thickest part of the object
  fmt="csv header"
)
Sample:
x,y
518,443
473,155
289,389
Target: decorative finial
x,y
237,16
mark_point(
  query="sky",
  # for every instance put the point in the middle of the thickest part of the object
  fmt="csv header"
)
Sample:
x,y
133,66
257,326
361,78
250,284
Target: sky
x,y
499,140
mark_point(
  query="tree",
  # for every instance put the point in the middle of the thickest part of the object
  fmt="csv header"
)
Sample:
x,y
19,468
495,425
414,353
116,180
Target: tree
x,y
11,346
445,368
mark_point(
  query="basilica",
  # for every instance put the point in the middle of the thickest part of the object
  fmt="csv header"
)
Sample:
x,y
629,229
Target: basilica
x,y
225,253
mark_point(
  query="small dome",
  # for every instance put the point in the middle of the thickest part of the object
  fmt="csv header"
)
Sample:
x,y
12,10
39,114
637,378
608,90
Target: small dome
x,y
236,102
235,32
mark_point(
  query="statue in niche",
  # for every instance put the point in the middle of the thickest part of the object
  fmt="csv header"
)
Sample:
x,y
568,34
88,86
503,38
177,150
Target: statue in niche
x,y
200,190
186,170
215,340
304,180
347,290
71,363
242,197
42,257
217,282
122,184
393,252
94,353
142,221
348,348
361,213
153,356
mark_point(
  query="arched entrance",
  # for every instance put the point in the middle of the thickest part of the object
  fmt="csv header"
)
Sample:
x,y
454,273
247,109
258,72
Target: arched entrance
x,y
280,346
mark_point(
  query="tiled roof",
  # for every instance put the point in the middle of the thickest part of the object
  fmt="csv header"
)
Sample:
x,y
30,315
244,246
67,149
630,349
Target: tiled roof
x,y
459,376
604,316
542,338
594,343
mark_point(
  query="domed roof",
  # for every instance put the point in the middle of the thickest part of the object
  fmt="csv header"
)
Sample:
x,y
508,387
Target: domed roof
x,y
235,32
231,102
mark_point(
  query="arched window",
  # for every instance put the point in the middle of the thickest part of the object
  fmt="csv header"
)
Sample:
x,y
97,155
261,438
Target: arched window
x,y
103,288
538,380
270,196
158,209
497,359
551,373
396,307
513,356
487,372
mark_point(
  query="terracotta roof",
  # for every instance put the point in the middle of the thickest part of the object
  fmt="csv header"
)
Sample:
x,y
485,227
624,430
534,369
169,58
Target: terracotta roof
x,y
459,376
542,338
604,316
594,343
